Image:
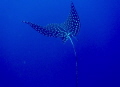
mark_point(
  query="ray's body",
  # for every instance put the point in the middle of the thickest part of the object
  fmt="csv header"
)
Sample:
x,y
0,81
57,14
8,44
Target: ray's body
x,y
65,30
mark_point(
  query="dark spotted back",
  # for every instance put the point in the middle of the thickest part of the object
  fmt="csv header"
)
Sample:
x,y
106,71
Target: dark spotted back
x,y
65,30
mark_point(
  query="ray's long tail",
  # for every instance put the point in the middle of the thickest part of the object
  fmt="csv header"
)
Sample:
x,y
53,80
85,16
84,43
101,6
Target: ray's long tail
x,y
76,62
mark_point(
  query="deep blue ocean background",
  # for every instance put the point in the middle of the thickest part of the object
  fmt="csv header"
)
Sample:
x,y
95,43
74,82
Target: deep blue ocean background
x,y
29,59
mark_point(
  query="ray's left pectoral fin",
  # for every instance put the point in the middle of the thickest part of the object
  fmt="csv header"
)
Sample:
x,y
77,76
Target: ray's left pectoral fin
x,y
35,26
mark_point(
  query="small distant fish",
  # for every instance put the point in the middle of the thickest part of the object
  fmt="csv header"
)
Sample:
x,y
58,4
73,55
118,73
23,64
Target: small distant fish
x,y
66,30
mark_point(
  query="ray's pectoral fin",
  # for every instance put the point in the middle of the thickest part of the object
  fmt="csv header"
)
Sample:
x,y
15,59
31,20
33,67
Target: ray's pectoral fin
x,y
72,24
50,30
35,26
38,28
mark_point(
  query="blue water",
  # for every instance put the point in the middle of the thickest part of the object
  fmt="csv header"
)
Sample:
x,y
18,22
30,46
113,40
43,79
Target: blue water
x,y
29,59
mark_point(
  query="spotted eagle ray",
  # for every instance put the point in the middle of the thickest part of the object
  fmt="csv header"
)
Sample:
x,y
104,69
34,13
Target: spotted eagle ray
x,y
65,30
